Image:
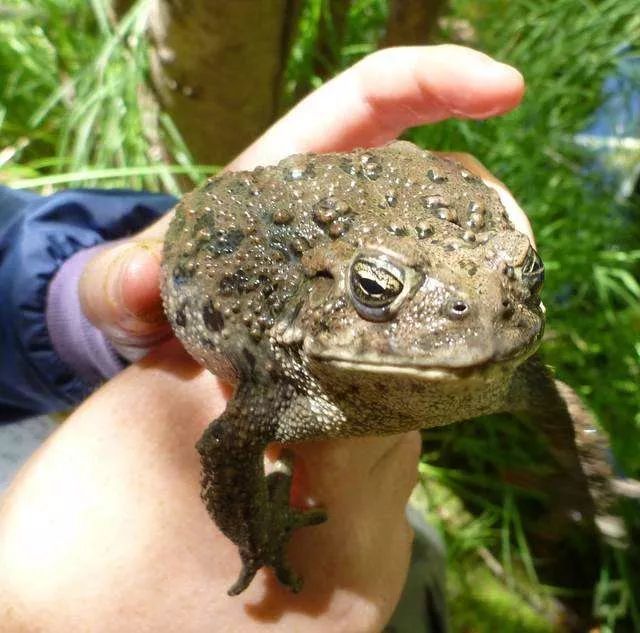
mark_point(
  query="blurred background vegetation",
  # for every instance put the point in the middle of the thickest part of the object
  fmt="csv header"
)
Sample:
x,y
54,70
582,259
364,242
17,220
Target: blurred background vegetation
x,y
77,109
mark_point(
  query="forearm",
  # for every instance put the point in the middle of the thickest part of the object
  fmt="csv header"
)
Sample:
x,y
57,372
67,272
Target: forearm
x,y
108,511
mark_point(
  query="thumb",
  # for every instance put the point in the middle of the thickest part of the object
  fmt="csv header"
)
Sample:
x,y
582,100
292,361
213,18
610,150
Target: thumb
x,y
120,294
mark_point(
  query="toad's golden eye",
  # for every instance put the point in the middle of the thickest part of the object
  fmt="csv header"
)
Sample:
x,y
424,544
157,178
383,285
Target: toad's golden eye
x,y
375,283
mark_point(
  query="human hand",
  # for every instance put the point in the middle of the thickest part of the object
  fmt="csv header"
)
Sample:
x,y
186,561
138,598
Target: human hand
x,y
369,104
104,527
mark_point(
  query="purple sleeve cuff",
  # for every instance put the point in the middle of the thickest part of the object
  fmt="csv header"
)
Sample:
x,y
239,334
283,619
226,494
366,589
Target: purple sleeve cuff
x,y
79,344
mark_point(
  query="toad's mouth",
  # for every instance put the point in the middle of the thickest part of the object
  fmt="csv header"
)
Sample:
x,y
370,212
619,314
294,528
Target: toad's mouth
x,y
429,372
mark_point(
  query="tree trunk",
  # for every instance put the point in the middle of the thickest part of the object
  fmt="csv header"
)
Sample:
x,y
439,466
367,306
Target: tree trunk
x,y
217,68
217,65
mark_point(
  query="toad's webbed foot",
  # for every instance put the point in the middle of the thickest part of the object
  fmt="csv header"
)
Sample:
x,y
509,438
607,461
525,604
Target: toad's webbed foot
x,y
281,520
251,509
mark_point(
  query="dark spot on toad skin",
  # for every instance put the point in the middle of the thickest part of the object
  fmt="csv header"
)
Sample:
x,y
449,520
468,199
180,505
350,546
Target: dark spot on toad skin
x,y
281,250
213,319
434,176
225,242
400,231
206,220
371,166
348,167
234,283
181,275
249,357
181,317
266,286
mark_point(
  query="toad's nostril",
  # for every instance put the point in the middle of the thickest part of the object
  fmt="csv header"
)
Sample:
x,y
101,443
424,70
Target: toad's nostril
x,y
458,309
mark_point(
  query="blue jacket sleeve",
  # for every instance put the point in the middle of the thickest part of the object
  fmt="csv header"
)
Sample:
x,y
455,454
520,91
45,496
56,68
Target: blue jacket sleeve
x,y
38,234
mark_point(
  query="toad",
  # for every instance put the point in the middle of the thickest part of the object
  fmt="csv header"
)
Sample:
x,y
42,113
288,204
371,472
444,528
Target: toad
x,y
351,294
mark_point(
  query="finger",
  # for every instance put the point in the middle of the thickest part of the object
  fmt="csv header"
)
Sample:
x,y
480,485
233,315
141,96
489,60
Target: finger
x,y
516,214
344,472
364,484
385,93
119,294
378,98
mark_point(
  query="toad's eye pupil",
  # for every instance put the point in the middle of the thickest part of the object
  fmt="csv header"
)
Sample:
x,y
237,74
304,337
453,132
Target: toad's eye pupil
x,y
370,286
375,284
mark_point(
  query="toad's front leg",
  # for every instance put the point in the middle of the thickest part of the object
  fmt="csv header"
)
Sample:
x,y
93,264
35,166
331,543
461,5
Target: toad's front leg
x,y
250,508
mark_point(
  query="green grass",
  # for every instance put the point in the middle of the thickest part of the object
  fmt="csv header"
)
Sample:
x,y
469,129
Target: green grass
x,y
74,98
74,110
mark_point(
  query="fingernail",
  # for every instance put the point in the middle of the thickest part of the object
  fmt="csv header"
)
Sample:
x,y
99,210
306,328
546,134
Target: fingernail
x,y
133,284
113,281
140,283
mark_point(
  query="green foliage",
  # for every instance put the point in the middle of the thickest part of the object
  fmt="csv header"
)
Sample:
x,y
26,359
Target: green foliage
x,y
75,110
74,102
340,47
